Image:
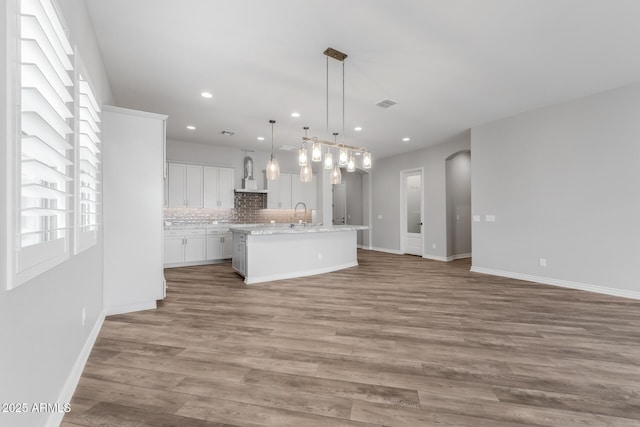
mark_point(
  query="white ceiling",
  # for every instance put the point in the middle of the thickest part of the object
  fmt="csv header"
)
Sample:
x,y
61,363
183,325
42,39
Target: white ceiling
x,y
450,64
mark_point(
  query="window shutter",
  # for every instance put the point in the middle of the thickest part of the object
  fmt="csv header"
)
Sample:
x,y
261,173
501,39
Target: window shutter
x,y
88,169
46,150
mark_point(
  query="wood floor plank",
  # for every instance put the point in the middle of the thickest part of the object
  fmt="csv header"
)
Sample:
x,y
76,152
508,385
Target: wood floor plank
x,y
397,340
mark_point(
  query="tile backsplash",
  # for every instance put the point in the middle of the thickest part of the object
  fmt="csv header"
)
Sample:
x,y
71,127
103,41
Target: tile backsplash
x,y
249,208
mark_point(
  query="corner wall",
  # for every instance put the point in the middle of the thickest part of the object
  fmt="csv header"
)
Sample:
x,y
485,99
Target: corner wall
x,y
562,182
385,182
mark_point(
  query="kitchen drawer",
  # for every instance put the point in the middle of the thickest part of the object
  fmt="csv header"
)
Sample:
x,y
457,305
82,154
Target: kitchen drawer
x,y
184,233
217,231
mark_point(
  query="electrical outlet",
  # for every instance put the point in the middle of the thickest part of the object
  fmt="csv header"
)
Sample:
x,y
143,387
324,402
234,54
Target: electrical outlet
x,y
379,216
433,246
84,315
319,256
543,262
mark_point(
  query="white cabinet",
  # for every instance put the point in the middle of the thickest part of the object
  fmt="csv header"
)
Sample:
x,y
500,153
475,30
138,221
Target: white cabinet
x,y
239,261
184,246
305,192
287,191
218,187
219,245
185,185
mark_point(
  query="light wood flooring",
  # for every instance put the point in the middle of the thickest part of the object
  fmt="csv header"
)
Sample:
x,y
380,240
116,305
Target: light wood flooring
x,y
398,340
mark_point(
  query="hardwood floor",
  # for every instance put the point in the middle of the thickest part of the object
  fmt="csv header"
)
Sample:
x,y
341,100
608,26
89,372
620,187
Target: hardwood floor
x,y
398,340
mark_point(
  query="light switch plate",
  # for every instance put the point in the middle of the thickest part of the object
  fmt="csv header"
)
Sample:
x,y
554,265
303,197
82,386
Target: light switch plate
x,y
476,218
490,218
379,216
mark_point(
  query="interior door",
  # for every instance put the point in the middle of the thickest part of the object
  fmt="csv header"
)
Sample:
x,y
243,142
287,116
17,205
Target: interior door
x,y
413,212
339,204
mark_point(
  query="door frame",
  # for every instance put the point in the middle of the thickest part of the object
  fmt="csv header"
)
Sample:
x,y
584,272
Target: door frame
x,y
403,206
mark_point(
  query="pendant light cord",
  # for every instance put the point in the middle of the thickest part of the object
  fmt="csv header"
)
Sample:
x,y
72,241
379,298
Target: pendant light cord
x,y
342,102
327,95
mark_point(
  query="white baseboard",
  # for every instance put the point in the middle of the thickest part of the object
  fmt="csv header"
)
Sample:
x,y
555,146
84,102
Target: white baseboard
x,y
195,263
436,257
128,308
272,277
66,394
389,251
560,283
459,256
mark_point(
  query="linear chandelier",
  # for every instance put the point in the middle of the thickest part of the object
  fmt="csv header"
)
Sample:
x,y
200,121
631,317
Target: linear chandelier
x,y
345,153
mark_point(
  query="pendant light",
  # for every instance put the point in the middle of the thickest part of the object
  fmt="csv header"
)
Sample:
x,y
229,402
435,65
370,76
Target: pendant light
x,y
273,168
306,174
351,164
303,157
343,158
328,159
336,175
366,160
316,152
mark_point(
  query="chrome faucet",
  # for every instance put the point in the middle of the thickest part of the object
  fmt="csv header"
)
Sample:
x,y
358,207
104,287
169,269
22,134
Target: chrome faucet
x,y
295,211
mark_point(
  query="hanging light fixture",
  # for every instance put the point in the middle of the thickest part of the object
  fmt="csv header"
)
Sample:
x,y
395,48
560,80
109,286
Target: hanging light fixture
x,y
336,174
303,157
345,153
351,164
366,160
343,158
273,168
316,152
306,174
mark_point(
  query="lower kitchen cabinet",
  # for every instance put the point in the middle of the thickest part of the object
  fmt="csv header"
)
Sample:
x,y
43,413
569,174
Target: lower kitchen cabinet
x,y
197,246
219,246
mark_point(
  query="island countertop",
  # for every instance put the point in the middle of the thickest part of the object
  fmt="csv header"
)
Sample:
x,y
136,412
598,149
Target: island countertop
x,y
297,229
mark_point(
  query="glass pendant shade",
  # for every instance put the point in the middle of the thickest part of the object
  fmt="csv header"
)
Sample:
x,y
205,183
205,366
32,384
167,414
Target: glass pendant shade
x,y
302,157
344,157
306,174
328,160
336,175
366,160
316,152
273,169
351,164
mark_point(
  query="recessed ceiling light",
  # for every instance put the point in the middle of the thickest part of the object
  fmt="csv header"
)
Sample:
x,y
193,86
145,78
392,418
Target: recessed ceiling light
x,y
406,139
357,128
190,127
260,138
295,114
358,153
206,95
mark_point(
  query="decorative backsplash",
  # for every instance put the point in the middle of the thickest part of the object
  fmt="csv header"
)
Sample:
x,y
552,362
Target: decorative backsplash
x,y
249,208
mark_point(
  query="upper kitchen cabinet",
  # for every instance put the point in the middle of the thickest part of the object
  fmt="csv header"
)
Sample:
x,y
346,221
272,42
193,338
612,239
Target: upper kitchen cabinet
x,y
287,191
185,186
218,187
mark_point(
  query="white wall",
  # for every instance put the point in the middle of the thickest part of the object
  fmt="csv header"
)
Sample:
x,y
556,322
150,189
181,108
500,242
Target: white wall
x,y
563,184
355,199
41,331
385,182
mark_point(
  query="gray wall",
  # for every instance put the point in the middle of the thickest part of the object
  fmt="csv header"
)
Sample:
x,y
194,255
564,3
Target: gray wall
x,y
458,170
355,213
386,195
41,332
562,182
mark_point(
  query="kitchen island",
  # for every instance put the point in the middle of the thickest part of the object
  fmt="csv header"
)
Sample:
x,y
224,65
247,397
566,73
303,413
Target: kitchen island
x,y
275,252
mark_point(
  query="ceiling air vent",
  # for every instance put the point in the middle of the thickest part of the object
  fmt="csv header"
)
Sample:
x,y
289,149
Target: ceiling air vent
x,y
386,103
287,148
227,133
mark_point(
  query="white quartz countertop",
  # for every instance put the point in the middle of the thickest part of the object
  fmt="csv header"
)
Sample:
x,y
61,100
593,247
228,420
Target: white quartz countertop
x,y
256,230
